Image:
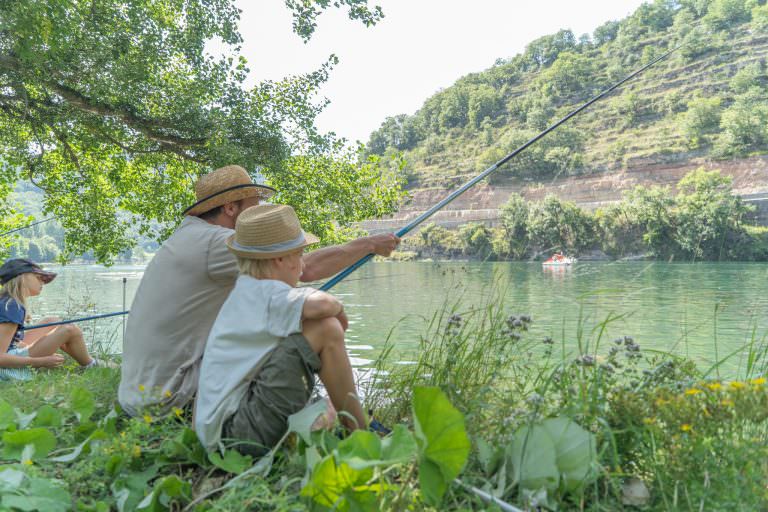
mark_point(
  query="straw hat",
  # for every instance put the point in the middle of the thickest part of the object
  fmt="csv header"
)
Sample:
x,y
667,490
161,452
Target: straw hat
x,y
225,185
268,231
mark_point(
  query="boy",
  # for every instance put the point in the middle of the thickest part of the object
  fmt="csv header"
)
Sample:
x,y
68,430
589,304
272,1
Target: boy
x,y
269,340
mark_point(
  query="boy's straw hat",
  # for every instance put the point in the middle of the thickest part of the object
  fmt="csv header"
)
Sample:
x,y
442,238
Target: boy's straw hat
x,y
268,231
225,185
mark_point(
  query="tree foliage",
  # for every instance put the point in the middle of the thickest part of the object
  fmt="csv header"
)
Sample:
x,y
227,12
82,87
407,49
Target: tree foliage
x,y
117,106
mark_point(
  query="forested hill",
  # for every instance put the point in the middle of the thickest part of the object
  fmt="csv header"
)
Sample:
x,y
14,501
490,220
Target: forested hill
x,y
709,100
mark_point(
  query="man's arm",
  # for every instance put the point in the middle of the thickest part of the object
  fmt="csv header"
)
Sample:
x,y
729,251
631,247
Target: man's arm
x,y
329,261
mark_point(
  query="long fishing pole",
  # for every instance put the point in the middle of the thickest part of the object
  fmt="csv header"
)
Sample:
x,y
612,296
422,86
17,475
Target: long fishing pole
x,y
27,226
83,319
424,216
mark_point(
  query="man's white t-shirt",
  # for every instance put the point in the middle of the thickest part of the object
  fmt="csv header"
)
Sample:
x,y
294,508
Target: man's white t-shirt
x,y
253,319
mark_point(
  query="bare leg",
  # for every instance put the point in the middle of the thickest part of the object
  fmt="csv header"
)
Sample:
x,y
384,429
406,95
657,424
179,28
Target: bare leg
x,y
68,338
31,337
326,337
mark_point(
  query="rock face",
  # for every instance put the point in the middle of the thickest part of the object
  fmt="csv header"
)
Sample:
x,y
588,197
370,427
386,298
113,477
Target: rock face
x,y
483,202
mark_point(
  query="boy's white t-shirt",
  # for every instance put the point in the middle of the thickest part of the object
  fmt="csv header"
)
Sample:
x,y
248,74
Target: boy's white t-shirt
x,y
253,319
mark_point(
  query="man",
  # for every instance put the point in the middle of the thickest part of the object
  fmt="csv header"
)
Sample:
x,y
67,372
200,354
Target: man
x,y
186,283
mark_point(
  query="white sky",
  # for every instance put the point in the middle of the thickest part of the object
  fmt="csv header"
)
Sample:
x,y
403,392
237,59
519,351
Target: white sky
x,y
419,47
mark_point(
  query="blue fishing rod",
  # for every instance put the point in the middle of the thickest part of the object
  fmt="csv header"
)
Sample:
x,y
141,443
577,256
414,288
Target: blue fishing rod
x,y
424,216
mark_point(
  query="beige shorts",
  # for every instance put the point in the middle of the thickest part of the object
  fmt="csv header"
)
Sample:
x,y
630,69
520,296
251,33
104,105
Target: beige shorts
x,y
281,387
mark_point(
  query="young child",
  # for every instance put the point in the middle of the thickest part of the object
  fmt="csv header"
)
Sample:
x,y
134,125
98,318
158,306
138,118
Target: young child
x,y
22,279
270,339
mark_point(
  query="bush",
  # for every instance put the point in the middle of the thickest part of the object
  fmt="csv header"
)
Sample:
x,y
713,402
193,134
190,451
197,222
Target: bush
x,y
701,119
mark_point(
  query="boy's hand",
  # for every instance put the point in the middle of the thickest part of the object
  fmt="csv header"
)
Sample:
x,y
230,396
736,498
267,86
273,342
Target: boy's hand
x,y
342,317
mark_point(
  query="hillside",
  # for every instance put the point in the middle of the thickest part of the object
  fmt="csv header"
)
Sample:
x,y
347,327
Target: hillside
x,y
705,105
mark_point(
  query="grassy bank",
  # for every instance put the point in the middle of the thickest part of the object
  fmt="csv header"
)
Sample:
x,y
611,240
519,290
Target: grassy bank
x,y
644,430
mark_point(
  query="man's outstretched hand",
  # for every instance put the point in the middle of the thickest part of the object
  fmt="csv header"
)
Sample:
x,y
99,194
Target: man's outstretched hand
x,y
384,244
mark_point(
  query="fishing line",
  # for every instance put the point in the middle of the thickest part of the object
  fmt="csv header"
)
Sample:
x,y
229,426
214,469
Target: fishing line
x,y
424,216
27,226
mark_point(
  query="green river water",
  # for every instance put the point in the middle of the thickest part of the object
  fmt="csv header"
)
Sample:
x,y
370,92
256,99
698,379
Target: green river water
x,y
701,310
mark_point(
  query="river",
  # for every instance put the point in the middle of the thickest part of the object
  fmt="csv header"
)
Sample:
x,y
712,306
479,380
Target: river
x,y
701,310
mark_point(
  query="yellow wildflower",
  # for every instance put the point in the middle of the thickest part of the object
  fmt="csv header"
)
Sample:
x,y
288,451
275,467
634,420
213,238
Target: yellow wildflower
x,y
714,386
141,387
737,385
122,434
692,391
661,401
178,412
136,451
148,418
727,403
758,382
167,394
649,421
27,462
685,427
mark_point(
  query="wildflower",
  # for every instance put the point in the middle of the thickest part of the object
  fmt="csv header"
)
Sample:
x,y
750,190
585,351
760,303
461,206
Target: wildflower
x,y
535,399
758,382
586,360
726,402
737,385
167,394
148,418
136,451
178,412
141,387
27,462
714,386
649,421
122,434
548,341
692,391
686,427
661,402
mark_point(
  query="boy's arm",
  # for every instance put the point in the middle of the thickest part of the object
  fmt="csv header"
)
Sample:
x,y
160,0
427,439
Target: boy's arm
x,y
321,305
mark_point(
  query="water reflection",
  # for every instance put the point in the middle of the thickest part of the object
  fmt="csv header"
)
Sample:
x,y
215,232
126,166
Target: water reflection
x,y
700,310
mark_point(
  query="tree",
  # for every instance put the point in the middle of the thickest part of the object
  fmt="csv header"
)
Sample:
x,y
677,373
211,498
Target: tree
x,y
484,102
723,14
570,73
116,106
606,32
513,241
701,119
543,51
709,216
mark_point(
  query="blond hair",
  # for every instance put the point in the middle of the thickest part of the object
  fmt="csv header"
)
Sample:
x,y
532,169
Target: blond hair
x,y
15,289
258,268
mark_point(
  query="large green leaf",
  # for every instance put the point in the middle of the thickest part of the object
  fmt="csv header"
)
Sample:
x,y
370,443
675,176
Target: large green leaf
x,y
442,440
399,446
301,422
10,480
81,402
47,416
339,486
7,415
42,496
232,461
360,450
575,451
40,438
75,452
533,459
165,492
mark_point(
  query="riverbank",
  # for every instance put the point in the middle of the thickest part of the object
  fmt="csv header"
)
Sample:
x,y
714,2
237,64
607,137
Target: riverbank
x,y
659,432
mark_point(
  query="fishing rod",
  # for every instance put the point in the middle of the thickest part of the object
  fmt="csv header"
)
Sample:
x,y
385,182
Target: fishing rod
x,y
74,320
424,216
27,226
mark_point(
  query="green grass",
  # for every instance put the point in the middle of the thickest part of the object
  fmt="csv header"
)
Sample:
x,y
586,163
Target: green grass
x,y
697,442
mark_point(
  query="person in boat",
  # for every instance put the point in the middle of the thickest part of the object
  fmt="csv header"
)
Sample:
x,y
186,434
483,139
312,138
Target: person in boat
x,y
186,283
21,351
270,339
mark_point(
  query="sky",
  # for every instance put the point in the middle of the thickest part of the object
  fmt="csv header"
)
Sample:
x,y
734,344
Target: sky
x,y
420,47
